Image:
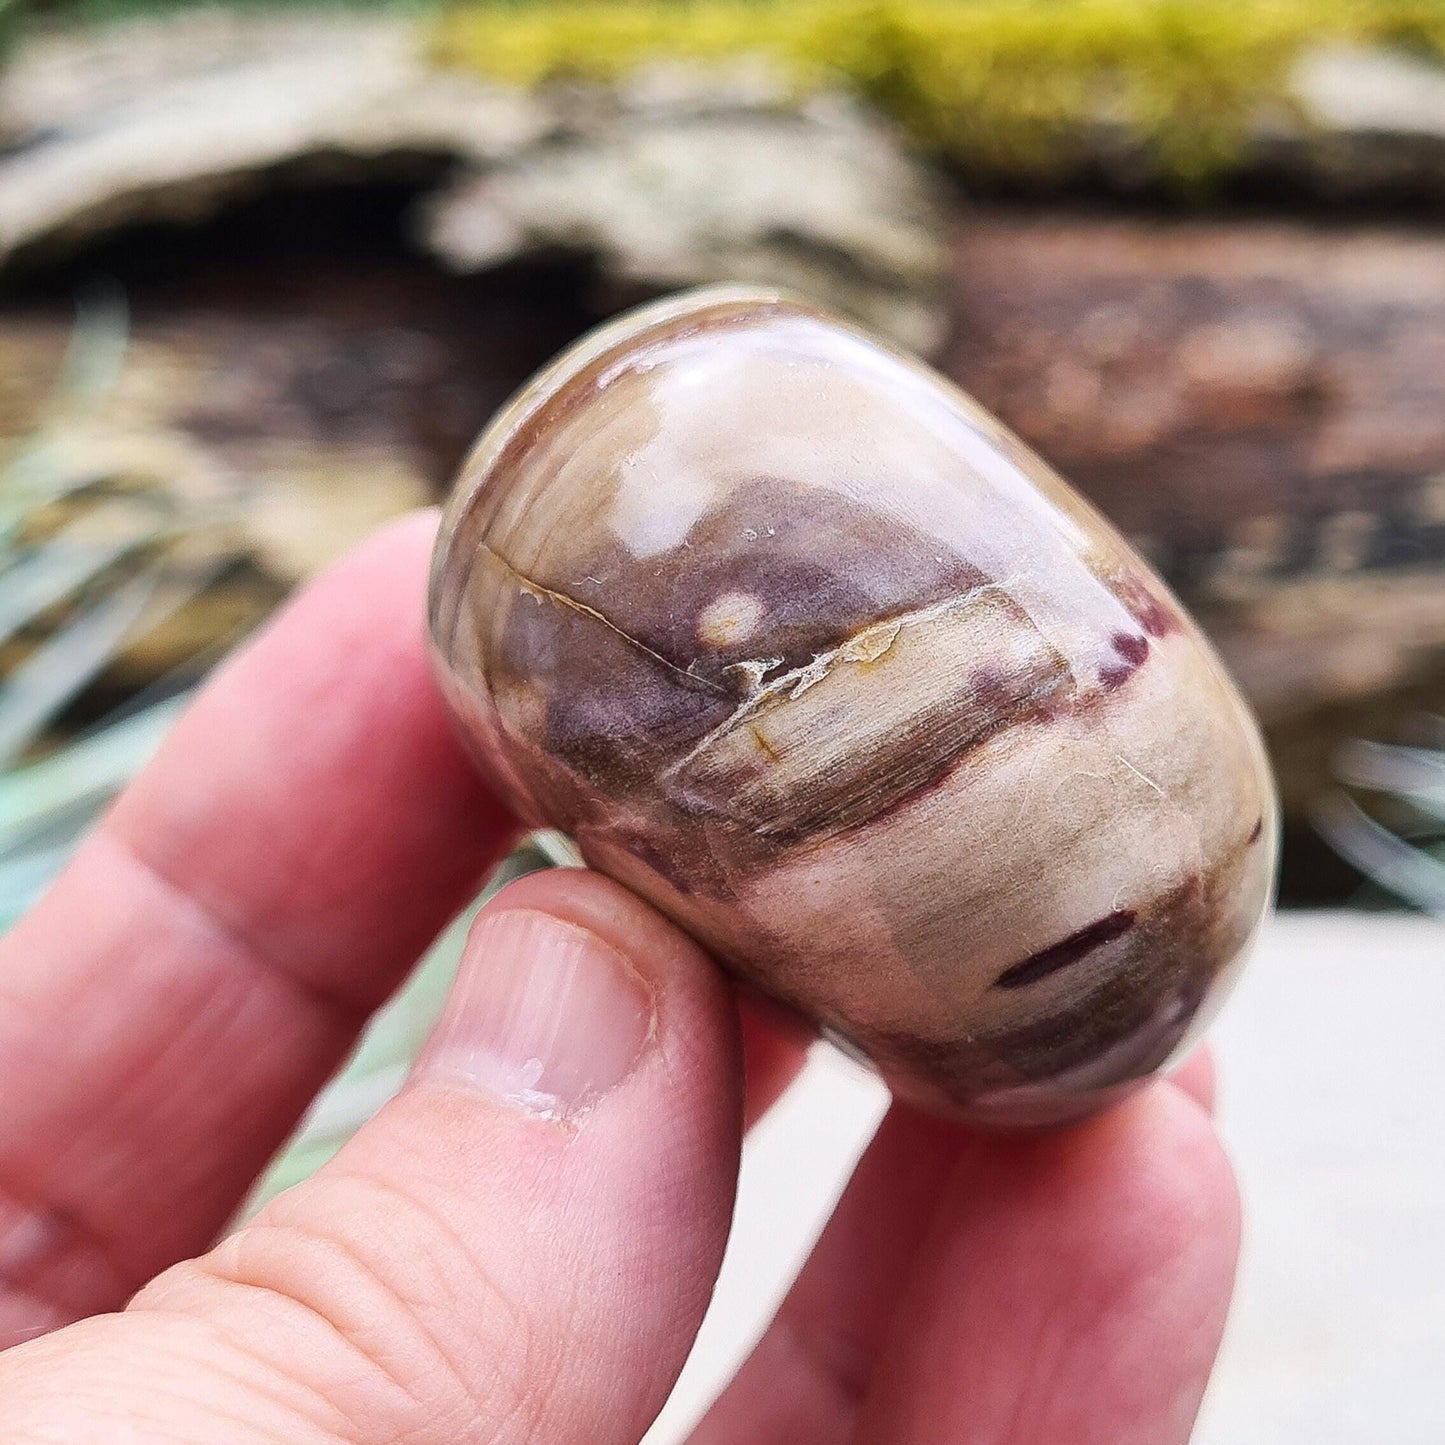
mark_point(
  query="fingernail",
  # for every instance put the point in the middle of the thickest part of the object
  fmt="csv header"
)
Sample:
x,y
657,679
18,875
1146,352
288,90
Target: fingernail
x,y
544,1015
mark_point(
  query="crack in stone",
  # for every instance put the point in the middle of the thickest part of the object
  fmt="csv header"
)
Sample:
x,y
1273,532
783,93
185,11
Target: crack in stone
x,y
535,589
867,645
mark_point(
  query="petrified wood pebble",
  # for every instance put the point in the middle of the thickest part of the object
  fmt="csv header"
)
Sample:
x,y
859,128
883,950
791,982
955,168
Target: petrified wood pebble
x,y
800,644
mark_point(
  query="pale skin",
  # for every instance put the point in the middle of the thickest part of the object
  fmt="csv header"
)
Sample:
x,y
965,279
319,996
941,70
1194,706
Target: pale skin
x,y
470,1269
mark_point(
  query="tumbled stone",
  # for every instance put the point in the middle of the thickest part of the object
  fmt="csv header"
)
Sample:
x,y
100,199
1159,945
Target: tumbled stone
x,y
802,646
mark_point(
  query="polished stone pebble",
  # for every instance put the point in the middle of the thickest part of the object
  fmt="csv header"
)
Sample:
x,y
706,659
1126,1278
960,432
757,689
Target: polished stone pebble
x,y
804,647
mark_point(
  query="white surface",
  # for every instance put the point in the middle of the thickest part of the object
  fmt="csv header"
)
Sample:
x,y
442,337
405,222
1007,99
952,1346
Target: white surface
x,y
1333,1104
1332,1091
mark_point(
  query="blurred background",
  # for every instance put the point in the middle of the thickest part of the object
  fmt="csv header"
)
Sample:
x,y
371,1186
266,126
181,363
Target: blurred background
x,y
266,270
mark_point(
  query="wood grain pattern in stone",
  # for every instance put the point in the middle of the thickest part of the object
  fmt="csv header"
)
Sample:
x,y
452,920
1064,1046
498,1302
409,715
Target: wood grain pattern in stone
x,y
801,645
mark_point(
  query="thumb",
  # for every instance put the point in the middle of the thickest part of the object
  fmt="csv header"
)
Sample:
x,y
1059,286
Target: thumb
x,y
519,1247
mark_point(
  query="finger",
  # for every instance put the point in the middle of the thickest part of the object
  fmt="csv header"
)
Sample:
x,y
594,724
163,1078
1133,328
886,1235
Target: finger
x,y
921,1190
807,1376
204,963
518,1248
775,1047
1197,1077
1072,1287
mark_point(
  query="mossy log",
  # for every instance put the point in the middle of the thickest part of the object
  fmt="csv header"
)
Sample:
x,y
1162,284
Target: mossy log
x,y
1259,403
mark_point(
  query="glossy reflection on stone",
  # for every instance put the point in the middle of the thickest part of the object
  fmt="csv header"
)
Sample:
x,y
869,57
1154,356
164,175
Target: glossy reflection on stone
x,y
804,647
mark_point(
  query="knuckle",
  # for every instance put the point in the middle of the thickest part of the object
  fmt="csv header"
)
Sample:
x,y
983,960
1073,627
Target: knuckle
x,y
363,1294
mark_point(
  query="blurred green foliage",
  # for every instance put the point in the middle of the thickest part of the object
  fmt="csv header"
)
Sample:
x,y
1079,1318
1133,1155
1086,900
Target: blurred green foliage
x,y
1003,87
80,567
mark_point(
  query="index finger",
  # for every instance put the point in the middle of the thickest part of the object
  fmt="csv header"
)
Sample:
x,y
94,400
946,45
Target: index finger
x,y
205,962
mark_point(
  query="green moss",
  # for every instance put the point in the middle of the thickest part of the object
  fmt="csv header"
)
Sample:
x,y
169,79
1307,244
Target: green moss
x,y
1003,87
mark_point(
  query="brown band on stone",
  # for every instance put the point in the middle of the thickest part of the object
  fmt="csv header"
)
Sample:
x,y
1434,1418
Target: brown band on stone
x,y
1067,950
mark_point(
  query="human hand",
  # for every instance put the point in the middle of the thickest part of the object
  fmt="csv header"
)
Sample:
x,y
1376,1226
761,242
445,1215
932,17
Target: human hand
x,y
521,1245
